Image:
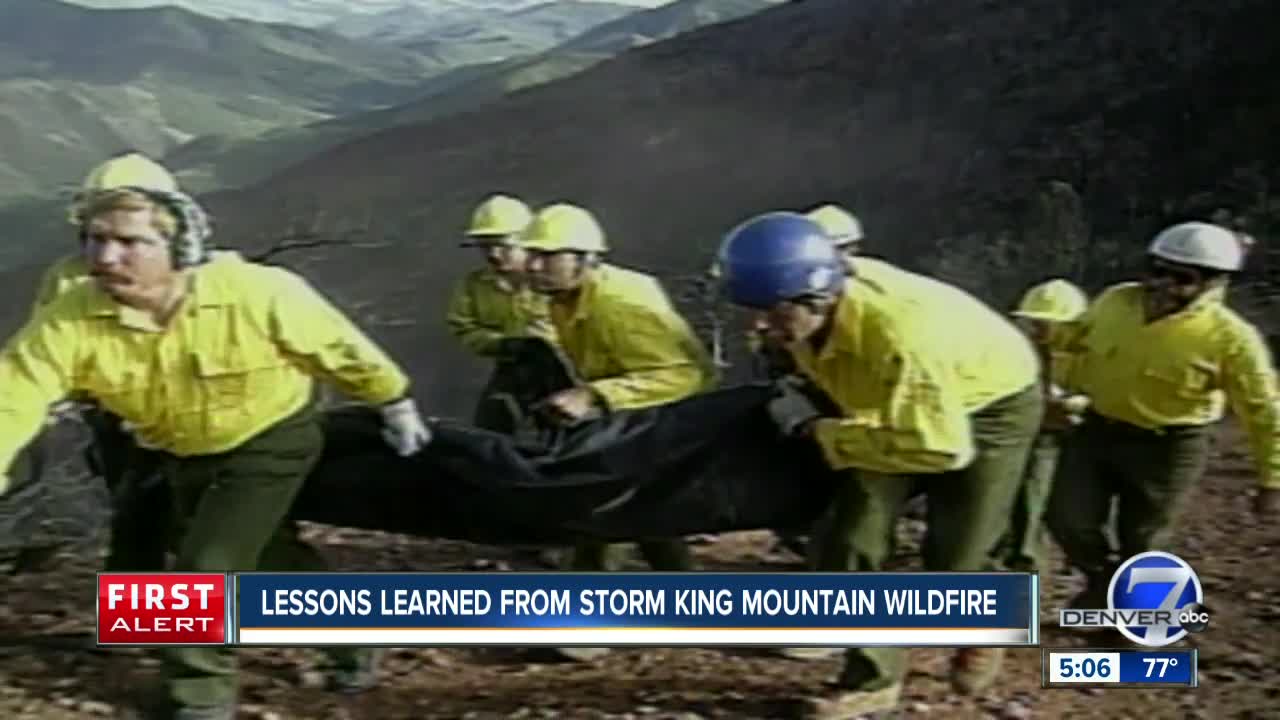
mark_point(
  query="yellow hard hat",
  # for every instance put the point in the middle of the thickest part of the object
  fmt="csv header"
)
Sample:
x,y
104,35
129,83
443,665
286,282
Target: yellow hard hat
x,y
499,216
1055,300
564,227
129,170
133,170
840,224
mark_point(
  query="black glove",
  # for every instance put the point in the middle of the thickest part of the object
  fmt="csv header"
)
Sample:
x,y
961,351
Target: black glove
x,y
791,410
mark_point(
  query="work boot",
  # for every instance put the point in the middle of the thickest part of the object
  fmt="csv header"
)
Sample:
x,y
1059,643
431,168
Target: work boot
x,y
357,678
845,704
974,669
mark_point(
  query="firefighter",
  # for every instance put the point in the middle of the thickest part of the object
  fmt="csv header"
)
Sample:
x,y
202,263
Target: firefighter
x,y
1044,313
1160,360
847,235
212,364
774,362
494,305
139,497
934,398
627,342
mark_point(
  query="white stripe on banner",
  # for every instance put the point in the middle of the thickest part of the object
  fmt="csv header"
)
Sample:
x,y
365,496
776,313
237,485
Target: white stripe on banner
x,y
639,636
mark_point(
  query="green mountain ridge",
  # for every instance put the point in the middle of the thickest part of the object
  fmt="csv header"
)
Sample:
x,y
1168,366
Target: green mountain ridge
x,y
210,163
77,84
496,38
524,29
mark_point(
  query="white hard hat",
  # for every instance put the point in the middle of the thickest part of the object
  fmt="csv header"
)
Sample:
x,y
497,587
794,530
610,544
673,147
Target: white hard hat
x,y
1201,245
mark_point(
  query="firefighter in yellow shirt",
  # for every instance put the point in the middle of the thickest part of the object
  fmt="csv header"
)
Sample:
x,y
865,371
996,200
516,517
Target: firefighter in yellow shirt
x,y
846,234
212,364
1160,359
139,498
1044,313
627,342
494,305
933,398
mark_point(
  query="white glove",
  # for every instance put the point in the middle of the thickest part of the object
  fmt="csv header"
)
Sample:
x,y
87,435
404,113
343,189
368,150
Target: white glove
x,y
542,329
403,428
791,409
132,429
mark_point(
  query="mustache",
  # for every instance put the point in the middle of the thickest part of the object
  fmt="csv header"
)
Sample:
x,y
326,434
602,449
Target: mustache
x,y
99,274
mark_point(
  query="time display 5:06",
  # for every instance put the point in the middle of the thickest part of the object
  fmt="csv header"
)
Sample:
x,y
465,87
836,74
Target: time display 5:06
x,y
1175,667
1084,667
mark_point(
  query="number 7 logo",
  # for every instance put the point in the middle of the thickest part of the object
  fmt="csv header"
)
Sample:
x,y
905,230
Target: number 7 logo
x,y
1153,568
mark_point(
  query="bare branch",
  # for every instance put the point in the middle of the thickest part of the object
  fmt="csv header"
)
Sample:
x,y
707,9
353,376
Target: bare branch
x,y
309,239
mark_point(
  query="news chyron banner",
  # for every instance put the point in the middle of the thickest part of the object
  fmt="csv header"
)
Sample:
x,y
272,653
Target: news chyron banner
x,y
563,609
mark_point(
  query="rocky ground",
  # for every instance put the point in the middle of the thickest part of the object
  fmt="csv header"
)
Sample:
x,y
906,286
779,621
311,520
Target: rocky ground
x,y
46,607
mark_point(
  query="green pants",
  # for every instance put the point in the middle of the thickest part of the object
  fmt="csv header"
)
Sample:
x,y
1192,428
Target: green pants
x,y
968,513
231,512
140,497
667,555
1026,546
1147,475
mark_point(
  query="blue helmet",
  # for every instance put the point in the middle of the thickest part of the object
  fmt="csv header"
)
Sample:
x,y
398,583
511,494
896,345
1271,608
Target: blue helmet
x,y
778,256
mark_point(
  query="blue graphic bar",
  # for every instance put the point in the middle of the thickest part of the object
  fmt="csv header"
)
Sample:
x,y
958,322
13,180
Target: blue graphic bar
x,y
640,609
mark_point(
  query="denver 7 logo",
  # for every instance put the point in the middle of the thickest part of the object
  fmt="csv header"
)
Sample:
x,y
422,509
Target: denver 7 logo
x,y
1163,583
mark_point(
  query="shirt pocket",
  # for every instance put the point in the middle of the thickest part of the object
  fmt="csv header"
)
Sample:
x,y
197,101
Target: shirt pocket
x,y
1188,381
232,380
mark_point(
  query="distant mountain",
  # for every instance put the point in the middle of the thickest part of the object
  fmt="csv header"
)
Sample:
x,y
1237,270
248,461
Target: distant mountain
x,y
405,21
317,13
77,83
231,162
496,37
660,23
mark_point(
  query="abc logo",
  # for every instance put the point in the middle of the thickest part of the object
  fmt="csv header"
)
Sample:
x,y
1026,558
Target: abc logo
x,y
1164,583
1194,618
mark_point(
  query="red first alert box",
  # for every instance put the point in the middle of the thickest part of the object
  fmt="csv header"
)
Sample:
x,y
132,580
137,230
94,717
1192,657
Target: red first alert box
x,y
162,608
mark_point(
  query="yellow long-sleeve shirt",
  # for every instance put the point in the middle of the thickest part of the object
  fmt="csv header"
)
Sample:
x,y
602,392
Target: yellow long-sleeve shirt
x,y
482,312
64,274
239,355
907,370
627,340
882,274
1179,370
